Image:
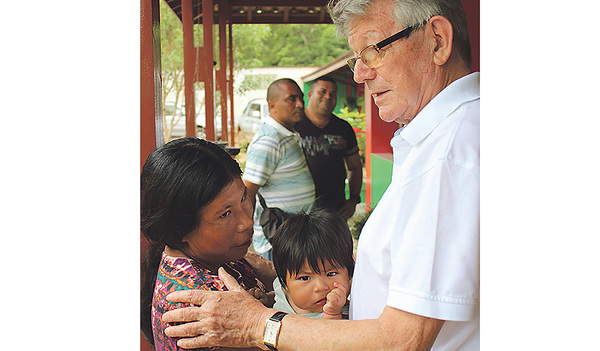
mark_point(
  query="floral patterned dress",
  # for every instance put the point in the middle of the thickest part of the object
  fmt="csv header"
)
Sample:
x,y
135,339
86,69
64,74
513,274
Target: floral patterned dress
x,y
177,273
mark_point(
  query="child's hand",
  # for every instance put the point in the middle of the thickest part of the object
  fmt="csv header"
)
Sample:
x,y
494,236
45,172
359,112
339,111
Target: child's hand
x,y
336,299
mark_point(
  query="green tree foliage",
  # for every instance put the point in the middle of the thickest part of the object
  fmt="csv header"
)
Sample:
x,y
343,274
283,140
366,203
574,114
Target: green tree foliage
x,y
255,81
249,44
171,52
171,39
302,45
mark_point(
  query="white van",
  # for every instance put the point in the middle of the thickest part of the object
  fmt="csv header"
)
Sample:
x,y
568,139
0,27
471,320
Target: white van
x,y
253,116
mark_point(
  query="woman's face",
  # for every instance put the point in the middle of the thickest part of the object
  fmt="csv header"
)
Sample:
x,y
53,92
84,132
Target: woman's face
x,y
225,228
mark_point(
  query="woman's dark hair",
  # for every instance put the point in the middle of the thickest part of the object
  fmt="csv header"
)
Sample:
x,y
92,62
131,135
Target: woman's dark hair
x,y
178,180
316,237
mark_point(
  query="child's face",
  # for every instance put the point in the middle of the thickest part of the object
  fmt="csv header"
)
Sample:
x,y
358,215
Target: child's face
x,y
307,291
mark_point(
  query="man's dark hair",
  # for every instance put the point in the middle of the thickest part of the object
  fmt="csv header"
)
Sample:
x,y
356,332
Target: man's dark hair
x,y
316,237
274,89
323,79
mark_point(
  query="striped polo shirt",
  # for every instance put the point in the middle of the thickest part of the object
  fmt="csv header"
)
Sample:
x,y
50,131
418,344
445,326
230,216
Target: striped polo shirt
x,y
275,161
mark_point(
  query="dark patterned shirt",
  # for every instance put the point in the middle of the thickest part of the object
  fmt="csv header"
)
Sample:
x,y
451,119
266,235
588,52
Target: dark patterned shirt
x,y
325,150
177,273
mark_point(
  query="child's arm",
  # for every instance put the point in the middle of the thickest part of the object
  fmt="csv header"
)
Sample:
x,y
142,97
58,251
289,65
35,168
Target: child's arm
x,y
336,299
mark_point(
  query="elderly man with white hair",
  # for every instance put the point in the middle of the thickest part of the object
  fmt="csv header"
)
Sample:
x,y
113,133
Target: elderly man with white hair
x,y
416,281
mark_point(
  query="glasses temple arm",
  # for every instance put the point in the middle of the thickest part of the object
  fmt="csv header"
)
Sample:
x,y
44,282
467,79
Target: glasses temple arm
x,y
403,33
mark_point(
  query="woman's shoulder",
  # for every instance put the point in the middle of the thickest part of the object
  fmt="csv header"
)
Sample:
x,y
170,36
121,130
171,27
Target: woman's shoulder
x,y
184,273
176,273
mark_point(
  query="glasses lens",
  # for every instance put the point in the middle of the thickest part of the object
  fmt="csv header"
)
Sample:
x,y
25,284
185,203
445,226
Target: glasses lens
x,y
370,56
352,63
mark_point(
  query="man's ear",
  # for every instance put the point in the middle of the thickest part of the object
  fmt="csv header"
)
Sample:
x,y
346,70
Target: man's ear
x,y
271,106
443,32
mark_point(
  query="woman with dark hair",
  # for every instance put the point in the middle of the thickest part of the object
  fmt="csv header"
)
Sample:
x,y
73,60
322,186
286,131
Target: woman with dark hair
x,y
197,216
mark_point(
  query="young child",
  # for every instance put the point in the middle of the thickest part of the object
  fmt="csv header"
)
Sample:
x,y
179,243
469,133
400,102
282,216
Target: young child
x,y
312,255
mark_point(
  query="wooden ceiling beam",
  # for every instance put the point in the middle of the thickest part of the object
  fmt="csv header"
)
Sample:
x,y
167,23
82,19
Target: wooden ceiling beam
x,y
273,12
278,3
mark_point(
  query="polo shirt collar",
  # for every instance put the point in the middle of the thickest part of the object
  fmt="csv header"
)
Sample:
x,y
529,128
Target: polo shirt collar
x,y
441,106
278,127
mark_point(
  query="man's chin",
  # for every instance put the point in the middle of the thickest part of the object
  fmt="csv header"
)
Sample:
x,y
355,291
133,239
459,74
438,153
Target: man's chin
x,y
389,116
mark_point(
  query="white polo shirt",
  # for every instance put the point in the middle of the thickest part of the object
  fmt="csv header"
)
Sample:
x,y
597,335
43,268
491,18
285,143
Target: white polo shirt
x,y
419,250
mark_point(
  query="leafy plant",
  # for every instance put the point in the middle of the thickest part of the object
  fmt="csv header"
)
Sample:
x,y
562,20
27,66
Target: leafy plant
x,y
358,122
357,222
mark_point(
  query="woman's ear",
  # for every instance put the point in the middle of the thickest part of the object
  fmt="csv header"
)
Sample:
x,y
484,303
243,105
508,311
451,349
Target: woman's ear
x,y
184,245
443,32
185,239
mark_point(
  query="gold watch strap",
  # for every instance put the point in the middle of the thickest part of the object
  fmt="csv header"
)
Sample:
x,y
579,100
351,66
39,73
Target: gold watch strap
x,y
277,317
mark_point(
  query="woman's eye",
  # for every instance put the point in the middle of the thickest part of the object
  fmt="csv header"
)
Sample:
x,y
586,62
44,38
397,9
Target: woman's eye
x,y
226,214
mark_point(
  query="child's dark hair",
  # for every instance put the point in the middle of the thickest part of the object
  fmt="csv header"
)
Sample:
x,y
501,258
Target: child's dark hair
x,y
316,237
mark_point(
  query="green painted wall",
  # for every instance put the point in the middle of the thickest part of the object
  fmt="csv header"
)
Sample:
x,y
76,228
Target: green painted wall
x,y
381,176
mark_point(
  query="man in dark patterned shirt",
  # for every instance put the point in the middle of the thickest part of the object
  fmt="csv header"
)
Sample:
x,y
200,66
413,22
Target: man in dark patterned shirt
x,y
330,146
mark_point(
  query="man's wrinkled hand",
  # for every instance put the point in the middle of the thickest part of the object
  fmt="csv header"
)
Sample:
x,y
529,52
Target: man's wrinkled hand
x,y
231,318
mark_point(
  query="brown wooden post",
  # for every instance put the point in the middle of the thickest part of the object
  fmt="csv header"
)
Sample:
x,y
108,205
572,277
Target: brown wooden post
x,y
207,64
151,122
188,67
222,71
230,86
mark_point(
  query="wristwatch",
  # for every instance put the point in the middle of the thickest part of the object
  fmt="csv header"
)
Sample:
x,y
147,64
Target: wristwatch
x,y
272,328
355,197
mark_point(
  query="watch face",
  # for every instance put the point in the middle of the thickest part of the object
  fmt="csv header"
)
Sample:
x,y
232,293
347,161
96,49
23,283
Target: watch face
x,y
271,331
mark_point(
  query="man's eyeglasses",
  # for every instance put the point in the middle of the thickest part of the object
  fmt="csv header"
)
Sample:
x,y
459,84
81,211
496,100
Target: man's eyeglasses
x,y
371,55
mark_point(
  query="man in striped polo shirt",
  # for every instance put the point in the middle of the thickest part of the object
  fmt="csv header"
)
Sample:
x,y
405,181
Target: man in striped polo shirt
x,y
275,163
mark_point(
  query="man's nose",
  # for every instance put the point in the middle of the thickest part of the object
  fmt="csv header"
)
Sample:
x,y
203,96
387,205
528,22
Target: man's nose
x,y
362,72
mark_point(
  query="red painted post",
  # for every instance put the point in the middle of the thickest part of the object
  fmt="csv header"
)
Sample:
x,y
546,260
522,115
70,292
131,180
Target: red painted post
x,y
222,72
230,86
371,112
151,128
188,66
209,95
